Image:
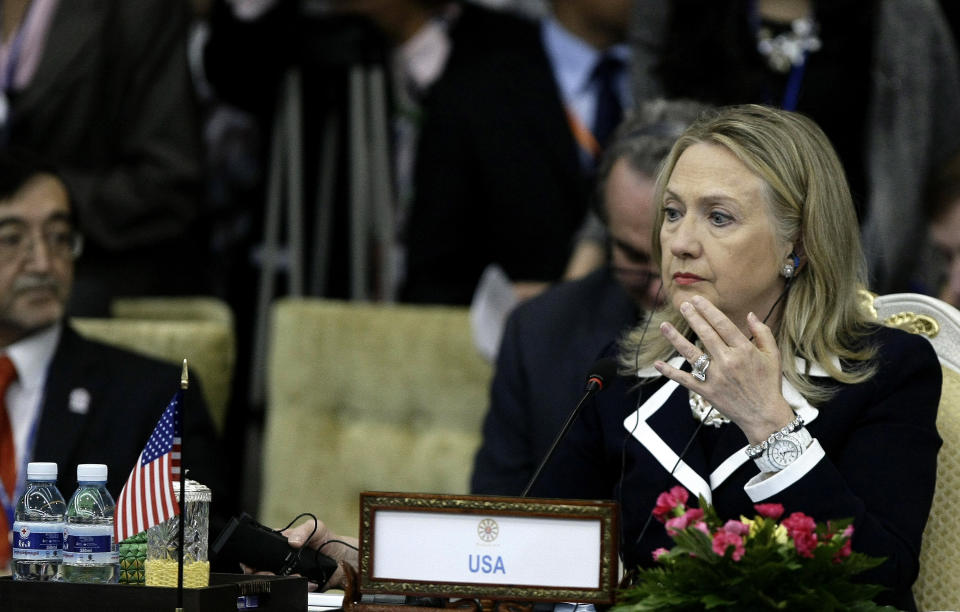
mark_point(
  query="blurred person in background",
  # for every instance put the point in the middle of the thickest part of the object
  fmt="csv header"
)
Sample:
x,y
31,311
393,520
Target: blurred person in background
x,y
63,397
102,89
945,232
509,140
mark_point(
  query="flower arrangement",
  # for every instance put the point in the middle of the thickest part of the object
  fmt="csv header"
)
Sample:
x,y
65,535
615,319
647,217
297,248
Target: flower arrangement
x,y
763,563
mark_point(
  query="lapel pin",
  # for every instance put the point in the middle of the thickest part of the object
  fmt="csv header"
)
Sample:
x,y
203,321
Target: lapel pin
x,y
79,402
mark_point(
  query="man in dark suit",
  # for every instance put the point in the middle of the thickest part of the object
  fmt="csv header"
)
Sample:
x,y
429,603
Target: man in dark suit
x,y
505,150
550,341
71,400
102,89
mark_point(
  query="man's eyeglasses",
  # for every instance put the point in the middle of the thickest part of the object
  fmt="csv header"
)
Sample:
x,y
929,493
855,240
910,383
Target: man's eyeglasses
x,y
17,242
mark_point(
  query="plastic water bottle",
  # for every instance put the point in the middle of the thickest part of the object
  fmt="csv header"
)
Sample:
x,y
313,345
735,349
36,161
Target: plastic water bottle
x,y
38,526
89,549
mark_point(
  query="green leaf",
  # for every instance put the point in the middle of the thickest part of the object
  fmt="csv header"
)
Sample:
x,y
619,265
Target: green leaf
x,y
712,601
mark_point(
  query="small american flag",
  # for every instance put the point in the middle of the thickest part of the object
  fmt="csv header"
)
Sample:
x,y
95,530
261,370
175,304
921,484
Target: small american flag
x,y
147,497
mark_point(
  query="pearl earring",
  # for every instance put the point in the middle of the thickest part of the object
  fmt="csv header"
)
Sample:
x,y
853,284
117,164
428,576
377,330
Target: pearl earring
x,y
787,270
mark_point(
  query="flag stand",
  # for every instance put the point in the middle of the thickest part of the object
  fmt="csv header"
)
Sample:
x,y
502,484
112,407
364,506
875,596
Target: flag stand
x,y
184,383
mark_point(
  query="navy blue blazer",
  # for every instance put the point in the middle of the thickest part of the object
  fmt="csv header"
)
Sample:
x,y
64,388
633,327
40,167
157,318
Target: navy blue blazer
x,y
548,345
873,458
126,394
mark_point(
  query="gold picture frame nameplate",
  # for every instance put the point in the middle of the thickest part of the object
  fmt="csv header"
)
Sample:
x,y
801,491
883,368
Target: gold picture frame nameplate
x,y
484,515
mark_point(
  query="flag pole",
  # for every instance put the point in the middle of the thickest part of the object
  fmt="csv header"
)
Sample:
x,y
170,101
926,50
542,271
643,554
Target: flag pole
x,y
184,383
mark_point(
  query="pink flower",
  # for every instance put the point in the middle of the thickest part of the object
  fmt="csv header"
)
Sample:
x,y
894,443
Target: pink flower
x,y
805,542
773,511
659,553
668,501
847,547
843,553
702,527
674,525
846,534
679,523
725,539
799,523
736,528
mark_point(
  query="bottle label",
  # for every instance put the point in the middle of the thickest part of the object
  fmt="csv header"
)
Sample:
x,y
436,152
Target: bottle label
x,y
89,545
37,541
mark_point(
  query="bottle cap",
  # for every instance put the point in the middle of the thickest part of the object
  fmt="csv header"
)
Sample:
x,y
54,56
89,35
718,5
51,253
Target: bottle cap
x,y
91,472
41,470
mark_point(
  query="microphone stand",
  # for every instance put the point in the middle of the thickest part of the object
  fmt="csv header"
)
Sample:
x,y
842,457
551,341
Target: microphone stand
x,y
556,441
594,383
184,384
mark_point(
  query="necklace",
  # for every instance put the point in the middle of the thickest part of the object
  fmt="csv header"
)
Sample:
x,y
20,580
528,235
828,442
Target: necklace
x,y
703,411
788,49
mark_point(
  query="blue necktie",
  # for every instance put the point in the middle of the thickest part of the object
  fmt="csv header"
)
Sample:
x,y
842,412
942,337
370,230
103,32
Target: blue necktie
x,y
609,110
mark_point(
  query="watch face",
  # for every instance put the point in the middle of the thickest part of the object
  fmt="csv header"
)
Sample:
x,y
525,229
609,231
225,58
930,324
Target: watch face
x,y
784,452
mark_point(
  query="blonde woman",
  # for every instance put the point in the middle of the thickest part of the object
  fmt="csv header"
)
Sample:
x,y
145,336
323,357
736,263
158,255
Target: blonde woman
x,y
758,247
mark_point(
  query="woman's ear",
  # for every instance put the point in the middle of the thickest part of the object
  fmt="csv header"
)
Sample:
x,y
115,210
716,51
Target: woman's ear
x,y
792,263
797,253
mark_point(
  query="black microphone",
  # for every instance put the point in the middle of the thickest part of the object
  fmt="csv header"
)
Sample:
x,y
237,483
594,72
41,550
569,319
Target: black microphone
x,y
601,374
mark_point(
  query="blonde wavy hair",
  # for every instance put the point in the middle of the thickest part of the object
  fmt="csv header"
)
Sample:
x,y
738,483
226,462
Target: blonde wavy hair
x,y
811,206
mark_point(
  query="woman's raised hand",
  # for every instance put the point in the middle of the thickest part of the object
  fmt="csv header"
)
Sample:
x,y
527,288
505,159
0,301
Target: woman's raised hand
x,y
741,378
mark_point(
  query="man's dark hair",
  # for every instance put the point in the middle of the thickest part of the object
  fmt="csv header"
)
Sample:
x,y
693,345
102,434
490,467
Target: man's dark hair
x,y
18,166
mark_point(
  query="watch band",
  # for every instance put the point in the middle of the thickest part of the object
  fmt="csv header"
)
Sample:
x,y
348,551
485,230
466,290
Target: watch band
x,y
784,450
757,449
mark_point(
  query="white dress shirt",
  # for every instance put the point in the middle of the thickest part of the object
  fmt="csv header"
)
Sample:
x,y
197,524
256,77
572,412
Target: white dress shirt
x,y
573,61
31,356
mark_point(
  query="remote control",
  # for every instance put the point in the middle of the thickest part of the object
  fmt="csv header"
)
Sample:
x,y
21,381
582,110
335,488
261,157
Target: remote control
x,y
246,541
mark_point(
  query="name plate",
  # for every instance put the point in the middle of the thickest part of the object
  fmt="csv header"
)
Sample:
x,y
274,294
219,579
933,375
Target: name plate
x,y
502,548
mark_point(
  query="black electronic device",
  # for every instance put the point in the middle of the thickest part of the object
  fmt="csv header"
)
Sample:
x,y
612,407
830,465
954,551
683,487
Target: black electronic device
x,y
246,541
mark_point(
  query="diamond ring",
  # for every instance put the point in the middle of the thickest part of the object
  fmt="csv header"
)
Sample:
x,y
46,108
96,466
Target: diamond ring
x,y
700,366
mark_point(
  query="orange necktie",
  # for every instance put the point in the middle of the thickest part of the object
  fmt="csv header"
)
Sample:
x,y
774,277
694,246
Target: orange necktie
x,y
8,455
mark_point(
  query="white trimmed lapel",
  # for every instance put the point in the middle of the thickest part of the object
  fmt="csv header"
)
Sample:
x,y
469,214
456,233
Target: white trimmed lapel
x,y
636,423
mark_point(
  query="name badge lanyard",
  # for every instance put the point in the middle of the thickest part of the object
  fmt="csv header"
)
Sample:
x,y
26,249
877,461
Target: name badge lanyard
x,y
791,93
586,141
10,503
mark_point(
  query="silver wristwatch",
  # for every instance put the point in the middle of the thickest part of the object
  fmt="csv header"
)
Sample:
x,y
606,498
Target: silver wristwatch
x,y
783,450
